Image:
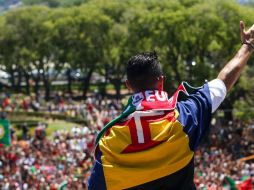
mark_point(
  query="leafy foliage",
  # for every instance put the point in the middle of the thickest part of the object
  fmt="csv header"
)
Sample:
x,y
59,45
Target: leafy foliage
x,y
194,40
54,3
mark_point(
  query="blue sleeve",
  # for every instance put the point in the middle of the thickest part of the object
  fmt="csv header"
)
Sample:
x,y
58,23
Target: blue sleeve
x,y
195,115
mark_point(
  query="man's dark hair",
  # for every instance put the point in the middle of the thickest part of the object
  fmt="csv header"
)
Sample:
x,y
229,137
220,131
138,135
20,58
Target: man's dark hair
x,y
143,71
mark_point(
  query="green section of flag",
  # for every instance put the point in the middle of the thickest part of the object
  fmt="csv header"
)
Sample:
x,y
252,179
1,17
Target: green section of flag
x,y
5,135
232,183
63,185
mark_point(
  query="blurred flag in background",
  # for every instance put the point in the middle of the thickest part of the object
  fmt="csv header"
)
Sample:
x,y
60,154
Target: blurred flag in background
x,y
5,135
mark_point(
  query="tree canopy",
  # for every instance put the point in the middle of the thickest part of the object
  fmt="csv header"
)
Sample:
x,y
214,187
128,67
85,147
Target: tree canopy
x,y
54,3
194,40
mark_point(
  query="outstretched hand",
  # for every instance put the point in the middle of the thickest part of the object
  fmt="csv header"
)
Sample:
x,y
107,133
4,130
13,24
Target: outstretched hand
x,y
231,72
247,37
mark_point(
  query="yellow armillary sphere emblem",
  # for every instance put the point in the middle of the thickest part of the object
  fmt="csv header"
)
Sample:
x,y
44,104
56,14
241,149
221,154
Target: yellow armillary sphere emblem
x,y
1,131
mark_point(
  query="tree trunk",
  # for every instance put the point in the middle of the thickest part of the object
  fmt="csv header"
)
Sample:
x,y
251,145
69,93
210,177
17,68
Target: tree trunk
x,y
37,85
46,83
27,78
47,90
69,88
118,89
86,83
102,89
18,86
117,85
13,86
103,85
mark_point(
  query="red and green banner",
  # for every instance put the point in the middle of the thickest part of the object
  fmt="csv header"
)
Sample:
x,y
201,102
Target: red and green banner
x,y
246,185
63,185
5,135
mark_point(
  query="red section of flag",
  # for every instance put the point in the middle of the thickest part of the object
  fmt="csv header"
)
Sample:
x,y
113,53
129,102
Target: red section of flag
x,y
133,132
157,105
246,185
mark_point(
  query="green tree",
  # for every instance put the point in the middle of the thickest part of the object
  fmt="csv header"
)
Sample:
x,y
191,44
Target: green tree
x,y
117,48
54,3
50,3
81,39
28,32
231,13
9,46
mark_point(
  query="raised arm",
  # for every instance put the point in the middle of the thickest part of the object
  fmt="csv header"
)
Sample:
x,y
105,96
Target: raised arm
x,y
231,72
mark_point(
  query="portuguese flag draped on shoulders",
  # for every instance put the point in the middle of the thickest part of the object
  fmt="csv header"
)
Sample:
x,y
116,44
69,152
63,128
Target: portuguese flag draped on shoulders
x,y
5,135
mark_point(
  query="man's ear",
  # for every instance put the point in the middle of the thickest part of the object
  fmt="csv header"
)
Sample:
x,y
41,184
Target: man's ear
x,y
128,85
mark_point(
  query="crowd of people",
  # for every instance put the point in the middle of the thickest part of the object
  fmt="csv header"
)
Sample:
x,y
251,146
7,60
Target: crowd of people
x,y
61,104
38,162
219,158
46,164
